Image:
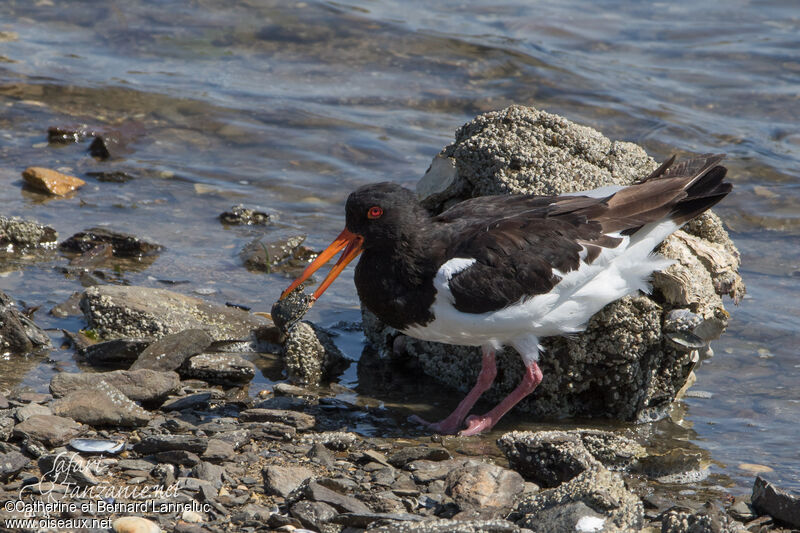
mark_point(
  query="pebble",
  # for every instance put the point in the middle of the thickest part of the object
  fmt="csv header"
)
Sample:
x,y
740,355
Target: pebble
x,y
134,524
51,181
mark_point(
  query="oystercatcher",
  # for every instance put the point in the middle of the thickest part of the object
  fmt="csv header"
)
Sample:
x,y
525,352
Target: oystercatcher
x,y
508,270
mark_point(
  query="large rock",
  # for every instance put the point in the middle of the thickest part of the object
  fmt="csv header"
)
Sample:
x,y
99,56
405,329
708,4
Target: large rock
x,y
478,484
145,385
779,504
18,333
18,233
622,366
596,496
222,368
130,311
50,430
171,351
101,405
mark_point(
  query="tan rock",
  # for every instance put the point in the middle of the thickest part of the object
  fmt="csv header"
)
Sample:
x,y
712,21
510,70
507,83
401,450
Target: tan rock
x,y
134,524
51,181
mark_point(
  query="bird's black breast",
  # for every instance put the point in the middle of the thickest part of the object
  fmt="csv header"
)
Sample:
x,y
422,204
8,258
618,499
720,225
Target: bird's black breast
x,y
399,293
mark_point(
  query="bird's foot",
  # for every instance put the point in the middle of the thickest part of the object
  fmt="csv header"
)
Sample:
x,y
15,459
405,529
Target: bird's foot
x,y
477,424
443,427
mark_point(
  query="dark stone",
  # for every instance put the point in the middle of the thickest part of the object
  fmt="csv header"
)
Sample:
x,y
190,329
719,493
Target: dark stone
x,y
240,215
289,310
11,464
282,480
272,431
547,458
208,472
449,526
178,457
190,401
18,333
362,520
70,307
111,176
161,443
413,453
321,455
68,134
346,504
313,514
779,504
219,450
67,468
19,233
114,142
170,352
116,350
266,254
122,244
219,368
300,421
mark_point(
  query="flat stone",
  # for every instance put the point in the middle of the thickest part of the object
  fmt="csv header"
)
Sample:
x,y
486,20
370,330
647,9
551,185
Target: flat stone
x,y
219,368
449,526
272,431
190,401
131,311
116,351
51,181
208,472
479,484
67,468
101,405
341,502
171,351
282,480
11,464
362,520
144,385
26,411
300,421
413,453
779,504
160,443
50,430
178,457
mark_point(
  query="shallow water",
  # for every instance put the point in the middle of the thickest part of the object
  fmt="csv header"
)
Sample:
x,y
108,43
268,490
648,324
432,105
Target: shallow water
x,y
289,106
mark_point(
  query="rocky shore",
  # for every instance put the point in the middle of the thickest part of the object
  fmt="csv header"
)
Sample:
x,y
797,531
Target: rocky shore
x,y
165,431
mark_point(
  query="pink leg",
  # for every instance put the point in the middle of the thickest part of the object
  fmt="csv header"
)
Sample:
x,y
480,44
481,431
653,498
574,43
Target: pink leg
x,y
477,424
452,423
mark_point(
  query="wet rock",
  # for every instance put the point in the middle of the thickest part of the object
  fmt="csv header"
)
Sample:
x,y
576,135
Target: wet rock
x,y
342,503
402,457
190,401
268,254
18,333
122,244
480,484
243,216
298,420
144,385
101,405
448,526
162,443
310,356
67,134
11,464
282,480
111,176
134,524
675,466
18,233
622,366
114,142
603,494
219,368
51,181
50,430
171,351
333,440
67,468
547,458
779,504
130,311
614,451
313,514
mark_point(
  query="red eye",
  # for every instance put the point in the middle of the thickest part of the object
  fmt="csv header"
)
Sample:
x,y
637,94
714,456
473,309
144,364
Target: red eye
x,y
374,212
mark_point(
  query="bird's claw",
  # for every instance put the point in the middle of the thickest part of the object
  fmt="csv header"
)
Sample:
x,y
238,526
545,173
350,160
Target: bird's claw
x,y
475,425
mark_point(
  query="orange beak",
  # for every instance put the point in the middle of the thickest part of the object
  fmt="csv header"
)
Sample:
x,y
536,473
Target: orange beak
x,y
352,245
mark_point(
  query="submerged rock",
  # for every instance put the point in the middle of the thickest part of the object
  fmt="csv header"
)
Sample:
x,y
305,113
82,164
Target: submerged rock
x,y
271,254
122,244
242,216
20,233
18,333
623,366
